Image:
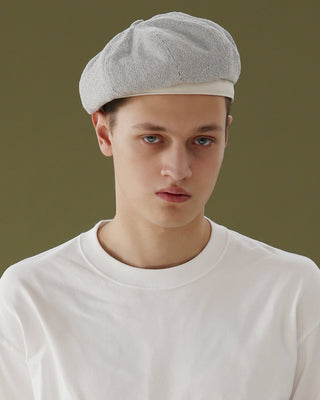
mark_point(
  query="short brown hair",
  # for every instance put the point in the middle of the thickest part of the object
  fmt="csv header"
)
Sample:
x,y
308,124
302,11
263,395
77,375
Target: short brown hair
x,y
111,108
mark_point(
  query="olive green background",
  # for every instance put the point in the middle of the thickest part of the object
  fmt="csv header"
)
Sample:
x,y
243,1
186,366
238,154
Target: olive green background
x,y
54,181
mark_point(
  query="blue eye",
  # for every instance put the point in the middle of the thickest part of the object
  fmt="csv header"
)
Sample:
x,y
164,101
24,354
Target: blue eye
x,y
151,139
203,141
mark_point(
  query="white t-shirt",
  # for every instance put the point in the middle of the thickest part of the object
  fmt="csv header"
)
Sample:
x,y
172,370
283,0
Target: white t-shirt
x,y
240,321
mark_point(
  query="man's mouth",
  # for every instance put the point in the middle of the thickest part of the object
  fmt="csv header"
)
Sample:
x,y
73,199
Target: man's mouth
x,y
174,195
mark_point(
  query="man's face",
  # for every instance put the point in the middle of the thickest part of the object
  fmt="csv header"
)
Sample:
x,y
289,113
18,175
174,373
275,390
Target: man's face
x,y
164,143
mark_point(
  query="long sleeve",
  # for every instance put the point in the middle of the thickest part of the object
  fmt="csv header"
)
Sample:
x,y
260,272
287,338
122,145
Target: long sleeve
x,y
307,376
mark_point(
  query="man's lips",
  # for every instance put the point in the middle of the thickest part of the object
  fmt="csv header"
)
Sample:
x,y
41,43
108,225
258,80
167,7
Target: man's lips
x,y
174,190
173,194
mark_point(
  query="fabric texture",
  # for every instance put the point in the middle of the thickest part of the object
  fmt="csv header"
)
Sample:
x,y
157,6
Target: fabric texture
x,y
164,51
238,321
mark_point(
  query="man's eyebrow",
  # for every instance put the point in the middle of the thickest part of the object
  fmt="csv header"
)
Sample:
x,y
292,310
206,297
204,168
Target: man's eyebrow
x,y
156,128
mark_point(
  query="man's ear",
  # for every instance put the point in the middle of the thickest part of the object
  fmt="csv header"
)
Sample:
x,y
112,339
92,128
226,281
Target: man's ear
x,y
102,128
230,118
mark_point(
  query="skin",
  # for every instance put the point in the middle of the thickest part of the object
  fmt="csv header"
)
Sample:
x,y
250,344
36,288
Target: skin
x,y
147,231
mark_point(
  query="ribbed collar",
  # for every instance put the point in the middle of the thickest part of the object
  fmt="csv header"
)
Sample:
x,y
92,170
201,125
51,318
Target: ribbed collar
x,y
164,278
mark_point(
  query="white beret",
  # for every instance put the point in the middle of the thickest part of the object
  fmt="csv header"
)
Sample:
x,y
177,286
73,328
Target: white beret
x,y
168,53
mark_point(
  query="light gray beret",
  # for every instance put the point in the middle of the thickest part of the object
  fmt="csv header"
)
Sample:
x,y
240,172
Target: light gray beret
x,y
168,53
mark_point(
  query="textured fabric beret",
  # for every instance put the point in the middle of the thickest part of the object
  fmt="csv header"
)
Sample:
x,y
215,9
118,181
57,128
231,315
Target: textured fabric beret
x,y
168,53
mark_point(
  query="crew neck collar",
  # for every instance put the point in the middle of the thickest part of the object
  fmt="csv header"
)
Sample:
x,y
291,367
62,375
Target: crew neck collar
x,y
164,278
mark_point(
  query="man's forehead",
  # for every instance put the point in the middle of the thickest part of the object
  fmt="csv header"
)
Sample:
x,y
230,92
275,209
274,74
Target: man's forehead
x,y
162,113
149,126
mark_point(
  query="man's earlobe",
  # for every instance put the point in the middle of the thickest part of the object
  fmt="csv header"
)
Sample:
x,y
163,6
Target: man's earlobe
x,y
101,126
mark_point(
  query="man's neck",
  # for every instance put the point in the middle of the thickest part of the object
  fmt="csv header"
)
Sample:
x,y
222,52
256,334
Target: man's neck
x,y
146,246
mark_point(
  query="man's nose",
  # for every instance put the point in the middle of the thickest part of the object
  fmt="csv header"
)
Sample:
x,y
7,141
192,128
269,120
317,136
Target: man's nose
x,y
176,163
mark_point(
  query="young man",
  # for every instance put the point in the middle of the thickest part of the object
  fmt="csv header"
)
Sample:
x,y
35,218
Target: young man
x,y
161,302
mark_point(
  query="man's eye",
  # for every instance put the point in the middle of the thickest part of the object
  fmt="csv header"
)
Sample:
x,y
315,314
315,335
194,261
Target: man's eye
x,y
151,139
203,141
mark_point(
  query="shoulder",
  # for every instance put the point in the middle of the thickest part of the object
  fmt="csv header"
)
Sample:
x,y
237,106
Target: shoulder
x,y
34,271
249,250
290,278
267,265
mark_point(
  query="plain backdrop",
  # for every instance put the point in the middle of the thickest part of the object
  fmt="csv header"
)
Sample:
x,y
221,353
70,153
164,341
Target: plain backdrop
x,y
55,183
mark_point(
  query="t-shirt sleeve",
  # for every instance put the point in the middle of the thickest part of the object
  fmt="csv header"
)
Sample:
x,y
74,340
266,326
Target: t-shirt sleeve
x,y
14,374
15,382
307,375
306,383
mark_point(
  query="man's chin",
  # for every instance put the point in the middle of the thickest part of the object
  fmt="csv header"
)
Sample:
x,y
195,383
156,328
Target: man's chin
x,y
175,220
